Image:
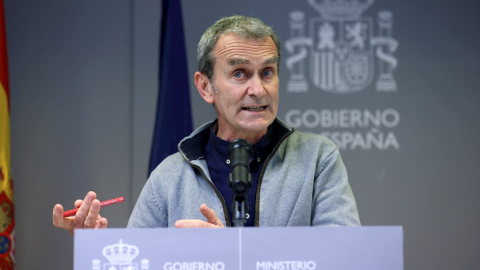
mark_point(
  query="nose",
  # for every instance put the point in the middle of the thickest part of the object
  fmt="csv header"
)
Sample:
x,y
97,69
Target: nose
x,y
256,88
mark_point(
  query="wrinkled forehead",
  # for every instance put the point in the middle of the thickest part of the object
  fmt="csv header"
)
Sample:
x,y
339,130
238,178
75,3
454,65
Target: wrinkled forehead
x,y
231,44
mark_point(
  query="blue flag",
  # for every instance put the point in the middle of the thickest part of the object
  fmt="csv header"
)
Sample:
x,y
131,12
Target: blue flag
x,y
174,118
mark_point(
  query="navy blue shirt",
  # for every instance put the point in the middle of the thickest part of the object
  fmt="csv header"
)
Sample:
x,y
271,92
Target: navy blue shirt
x,y
216,155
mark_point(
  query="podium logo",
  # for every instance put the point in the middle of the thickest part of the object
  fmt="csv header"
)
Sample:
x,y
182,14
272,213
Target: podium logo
x,y
120,256
341,48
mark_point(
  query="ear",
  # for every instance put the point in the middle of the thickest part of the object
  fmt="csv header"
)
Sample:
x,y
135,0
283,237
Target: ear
x,y
204,87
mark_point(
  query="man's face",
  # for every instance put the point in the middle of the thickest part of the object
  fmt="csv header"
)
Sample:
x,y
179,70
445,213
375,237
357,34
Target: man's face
x,y
245,86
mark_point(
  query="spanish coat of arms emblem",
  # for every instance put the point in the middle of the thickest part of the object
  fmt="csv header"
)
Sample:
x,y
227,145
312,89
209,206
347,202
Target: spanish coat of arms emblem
x,y
341,48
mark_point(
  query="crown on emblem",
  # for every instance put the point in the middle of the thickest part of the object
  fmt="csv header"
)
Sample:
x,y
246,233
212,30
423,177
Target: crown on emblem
x,y
340,9
120,253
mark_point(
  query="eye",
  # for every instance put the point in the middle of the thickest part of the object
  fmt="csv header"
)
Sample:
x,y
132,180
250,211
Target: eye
x,y
267,73
238,74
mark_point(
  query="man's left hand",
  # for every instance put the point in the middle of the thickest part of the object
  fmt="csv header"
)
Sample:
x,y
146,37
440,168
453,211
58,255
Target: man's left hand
x,y
212,220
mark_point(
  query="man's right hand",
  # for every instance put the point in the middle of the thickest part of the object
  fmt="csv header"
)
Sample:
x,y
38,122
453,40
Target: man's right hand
x,y
87,215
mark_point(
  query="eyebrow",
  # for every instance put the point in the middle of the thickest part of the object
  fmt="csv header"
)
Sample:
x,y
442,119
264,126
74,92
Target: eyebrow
x,y
241,61
272,60
238,61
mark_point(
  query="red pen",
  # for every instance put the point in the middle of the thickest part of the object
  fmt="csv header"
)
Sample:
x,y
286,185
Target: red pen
x,y
102,204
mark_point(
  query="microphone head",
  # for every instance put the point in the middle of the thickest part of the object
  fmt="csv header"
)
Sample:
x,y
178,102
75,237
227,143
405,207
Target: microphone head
x,y
238,144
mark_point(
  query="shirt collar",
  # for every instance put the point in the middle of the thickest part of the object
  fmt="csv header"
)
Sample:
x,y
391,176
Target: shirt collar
x,y
260,150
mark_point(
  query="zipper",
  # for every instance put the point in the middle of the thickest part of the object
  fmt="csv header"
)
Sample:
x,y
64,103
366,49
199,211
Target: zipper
x,y
260,178
220,197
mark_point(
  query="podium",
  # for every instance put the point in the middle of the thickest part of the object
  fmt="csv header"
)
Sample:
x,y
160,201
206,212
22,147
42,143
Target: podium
x,y
291,248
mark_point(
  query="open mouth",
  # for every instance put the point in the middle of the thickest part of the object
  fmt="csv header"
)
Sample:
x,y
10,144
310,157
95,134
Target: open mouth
x,y
254,109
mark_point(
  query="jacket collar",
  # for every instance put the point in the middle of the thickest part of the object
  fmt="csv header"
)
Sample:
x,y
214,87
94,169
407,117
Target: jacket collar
x,y
193,146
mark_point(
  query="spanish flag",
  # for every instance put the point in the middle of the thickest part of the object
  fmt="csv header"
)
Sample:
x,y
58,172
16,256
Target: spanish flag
x,y
7,220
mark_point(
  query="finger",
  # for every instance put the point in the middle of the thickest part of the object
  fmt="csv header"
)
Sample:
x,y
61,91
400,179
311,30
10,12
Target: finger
x,y
78,203
93,215
84,209
102,223
211,216
58,220
193,223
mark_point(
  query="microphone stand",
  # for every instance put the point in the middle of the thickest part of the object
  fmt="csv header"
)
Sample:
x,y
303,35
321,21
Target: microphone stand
x,y
240,179
240,204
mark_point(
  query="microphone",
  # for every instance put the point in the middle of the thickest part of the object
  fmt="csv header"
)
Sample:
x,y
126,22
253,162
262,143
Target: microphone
x,y
240,153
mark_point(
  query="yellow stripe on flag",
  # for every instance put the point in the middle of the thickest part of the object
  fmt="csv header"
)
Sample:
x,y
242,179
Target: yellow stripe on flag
x,y
5,174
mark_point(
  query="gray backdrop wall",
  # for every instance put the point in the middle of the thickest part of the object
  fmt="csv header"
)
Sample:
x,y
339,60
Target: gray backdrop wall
x,y
83,80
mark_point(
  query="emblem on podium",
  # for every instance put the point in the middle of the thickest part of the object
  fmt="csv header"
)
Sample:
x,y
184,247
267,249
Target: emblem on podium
x,y
120,256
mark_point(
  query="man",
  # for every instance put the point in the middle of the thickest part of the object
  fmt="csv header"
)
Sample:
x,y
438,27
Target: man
x,y
298,179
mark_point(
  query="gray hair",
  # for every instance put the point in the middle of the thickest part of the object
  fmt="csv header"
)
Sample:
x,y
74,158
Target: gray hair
x,y
246,27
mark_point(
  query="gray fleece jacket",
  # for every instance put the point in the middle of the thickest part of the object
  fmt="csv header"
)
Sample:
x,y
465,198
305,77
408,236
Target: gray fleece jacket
x,y
303,183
